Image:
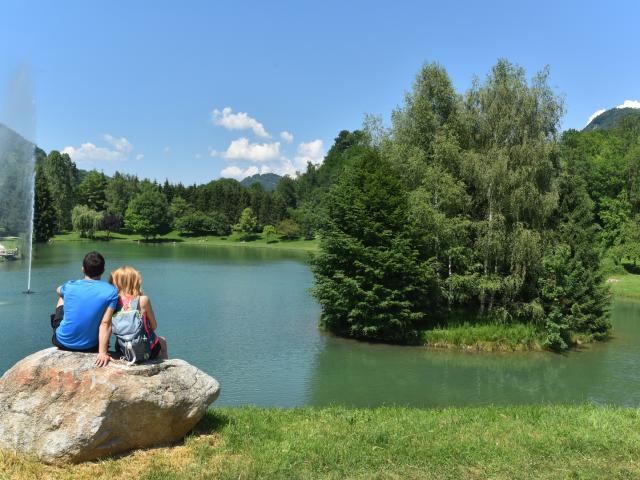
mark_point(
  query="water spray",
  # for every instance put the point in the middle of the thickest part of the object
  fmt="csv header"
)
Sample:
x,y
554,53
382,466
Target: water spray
x,y
17,159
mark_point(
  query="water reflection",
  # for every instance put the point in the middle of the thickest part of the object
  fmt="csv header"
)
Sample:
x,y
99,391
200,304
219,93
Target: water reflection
x,y
368,375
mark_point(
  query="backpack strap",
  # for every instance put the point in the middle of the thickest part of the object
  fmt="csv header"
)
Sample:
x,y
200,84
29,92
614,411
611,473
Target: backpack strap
x,y
135,304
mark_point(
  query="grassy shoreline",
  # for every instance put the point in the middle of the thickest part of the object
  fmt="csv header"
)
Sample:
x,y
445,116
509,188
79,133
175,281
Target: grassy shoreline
x,y
543,442
625,285
233,240
489,337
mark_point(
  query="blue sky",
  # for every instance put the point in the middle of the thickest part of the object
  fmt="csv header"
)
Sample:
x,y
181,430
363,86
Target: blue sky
x,y
132,86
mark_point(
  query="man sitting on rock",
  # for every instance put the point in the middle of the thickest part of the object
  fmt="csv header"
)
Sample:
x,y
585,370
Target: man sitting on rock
x,y
82,322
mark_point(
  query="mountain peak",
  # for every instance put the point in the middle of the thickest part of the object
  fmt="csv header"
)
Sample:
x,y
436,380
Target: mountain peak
x,y
605,119
269,181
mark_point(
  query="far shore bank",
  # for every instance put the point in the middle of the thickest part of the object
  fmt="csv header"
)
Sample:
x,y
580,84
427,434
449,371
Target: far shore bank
x,y
502,442
174,238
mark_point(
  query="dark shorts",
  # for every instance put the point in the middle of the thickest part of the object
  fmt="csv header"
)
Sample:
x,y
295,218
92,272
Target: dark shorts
x,y
56,318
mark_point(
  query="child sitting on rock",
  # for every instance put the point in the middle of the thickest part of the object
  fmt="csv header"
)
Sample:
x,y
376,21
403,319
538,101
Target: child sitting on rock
x,y
128,281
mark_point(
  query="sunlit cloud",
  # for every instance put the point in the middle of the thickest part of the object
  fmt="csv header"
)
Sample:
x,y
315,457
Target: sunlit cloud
x,y
238,121
233,171
120,144
595,114
89,153
286,136
630,104
243,149
270,157
311,152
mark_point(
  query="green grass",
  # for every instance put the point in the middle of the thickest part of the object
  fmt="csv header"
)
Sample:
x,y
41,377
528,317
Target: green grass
x,y
541,442
626,285
9,242
234,240
485,337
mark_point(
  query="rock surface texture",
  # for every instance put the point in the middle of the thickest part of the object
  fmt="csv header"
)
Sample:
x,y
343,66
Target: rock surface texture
x,y
61,408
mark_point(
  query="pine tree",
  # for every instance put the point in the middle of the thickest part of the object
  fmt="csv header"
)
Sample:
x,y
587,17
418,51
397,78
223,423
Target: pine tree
x,y
573,294
44,214
370,280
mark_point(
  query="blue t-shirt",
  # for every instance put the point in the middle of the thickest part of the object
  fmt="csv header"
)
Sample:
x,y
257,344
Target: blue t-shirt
x,y
85,302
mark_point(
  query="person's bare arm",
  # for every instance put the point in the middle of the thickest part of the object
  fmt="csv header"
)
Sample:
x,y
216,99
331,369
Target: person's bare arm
x,y
103,338
145,308
58,291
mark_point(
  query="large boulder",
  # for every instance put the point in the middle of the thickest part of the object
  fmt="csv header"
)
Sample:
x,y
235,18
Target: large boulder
x,y
60,407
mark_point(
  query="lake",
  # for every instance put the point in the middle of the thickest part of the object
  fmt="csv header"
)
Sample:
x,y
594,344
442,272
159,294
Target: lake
x,y
245,316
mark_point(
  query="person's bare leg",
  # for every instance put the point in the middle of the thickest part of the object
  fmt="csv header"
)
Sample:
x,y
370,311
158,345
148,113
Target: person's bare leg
x,y
164,353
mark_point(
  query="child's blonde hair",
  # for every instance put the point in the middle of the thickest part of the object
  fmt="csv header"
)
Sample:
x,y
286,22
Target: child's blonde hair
x,y
127,280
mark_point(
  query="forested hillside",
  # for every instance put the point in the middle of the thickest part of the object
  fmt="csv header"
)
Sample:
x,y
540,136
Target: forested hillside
x,y
611,118
16,164
269,181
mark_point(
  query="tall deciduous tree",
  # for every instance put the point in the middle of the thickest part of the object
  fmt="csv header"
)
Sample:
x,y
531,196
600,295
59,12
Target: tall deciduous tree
x,y
247,223
92,191
148,214
119,192
62,177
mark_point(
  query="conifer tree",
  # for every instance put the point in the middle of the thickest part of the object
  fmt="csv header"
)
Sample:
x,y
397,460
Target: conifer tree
x,y
44,213
370,279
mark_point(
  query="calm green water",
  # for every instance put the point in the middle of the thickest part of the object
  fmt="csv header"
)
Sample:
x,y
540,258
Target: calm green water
x,y
245,316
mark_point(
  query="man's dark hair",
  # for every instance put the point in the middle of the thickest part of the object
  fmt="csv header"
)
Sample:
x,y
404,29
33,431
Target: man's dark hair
x,y
93,264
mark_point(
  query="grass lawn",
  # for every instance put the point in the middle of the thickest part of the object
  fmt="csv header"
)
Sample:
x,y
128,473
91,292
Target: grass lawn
x,y
542,442
626,285
9,242
235,240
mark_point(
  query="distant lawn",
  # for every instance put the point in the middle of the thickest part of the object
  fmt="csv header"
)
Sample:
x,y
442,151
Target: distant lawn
x,y
625,285
523,442
9,242
235,240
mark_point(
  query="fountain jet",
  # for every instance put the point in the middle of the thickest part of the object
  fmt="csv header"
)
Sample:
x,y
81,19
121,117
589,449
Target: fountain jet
x,y
17,164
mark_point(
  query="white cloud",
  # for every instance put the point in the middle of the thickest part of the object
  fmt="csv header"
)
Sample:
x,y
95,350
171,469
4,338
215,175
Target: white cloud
x,y
269,156
90,153
238,173
140,156
243,149
120,144
309,152
630,104
286,136
238,121
594,115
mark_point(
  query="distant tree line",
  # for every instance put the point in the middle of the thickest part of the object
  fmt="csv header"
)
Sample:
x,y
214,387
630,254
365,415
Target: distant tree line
x,y
87,202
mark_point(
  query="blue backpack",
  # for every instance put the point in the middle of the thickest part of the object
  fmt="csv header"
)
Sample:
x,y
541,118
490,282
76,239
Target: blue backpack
x,y
131,334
